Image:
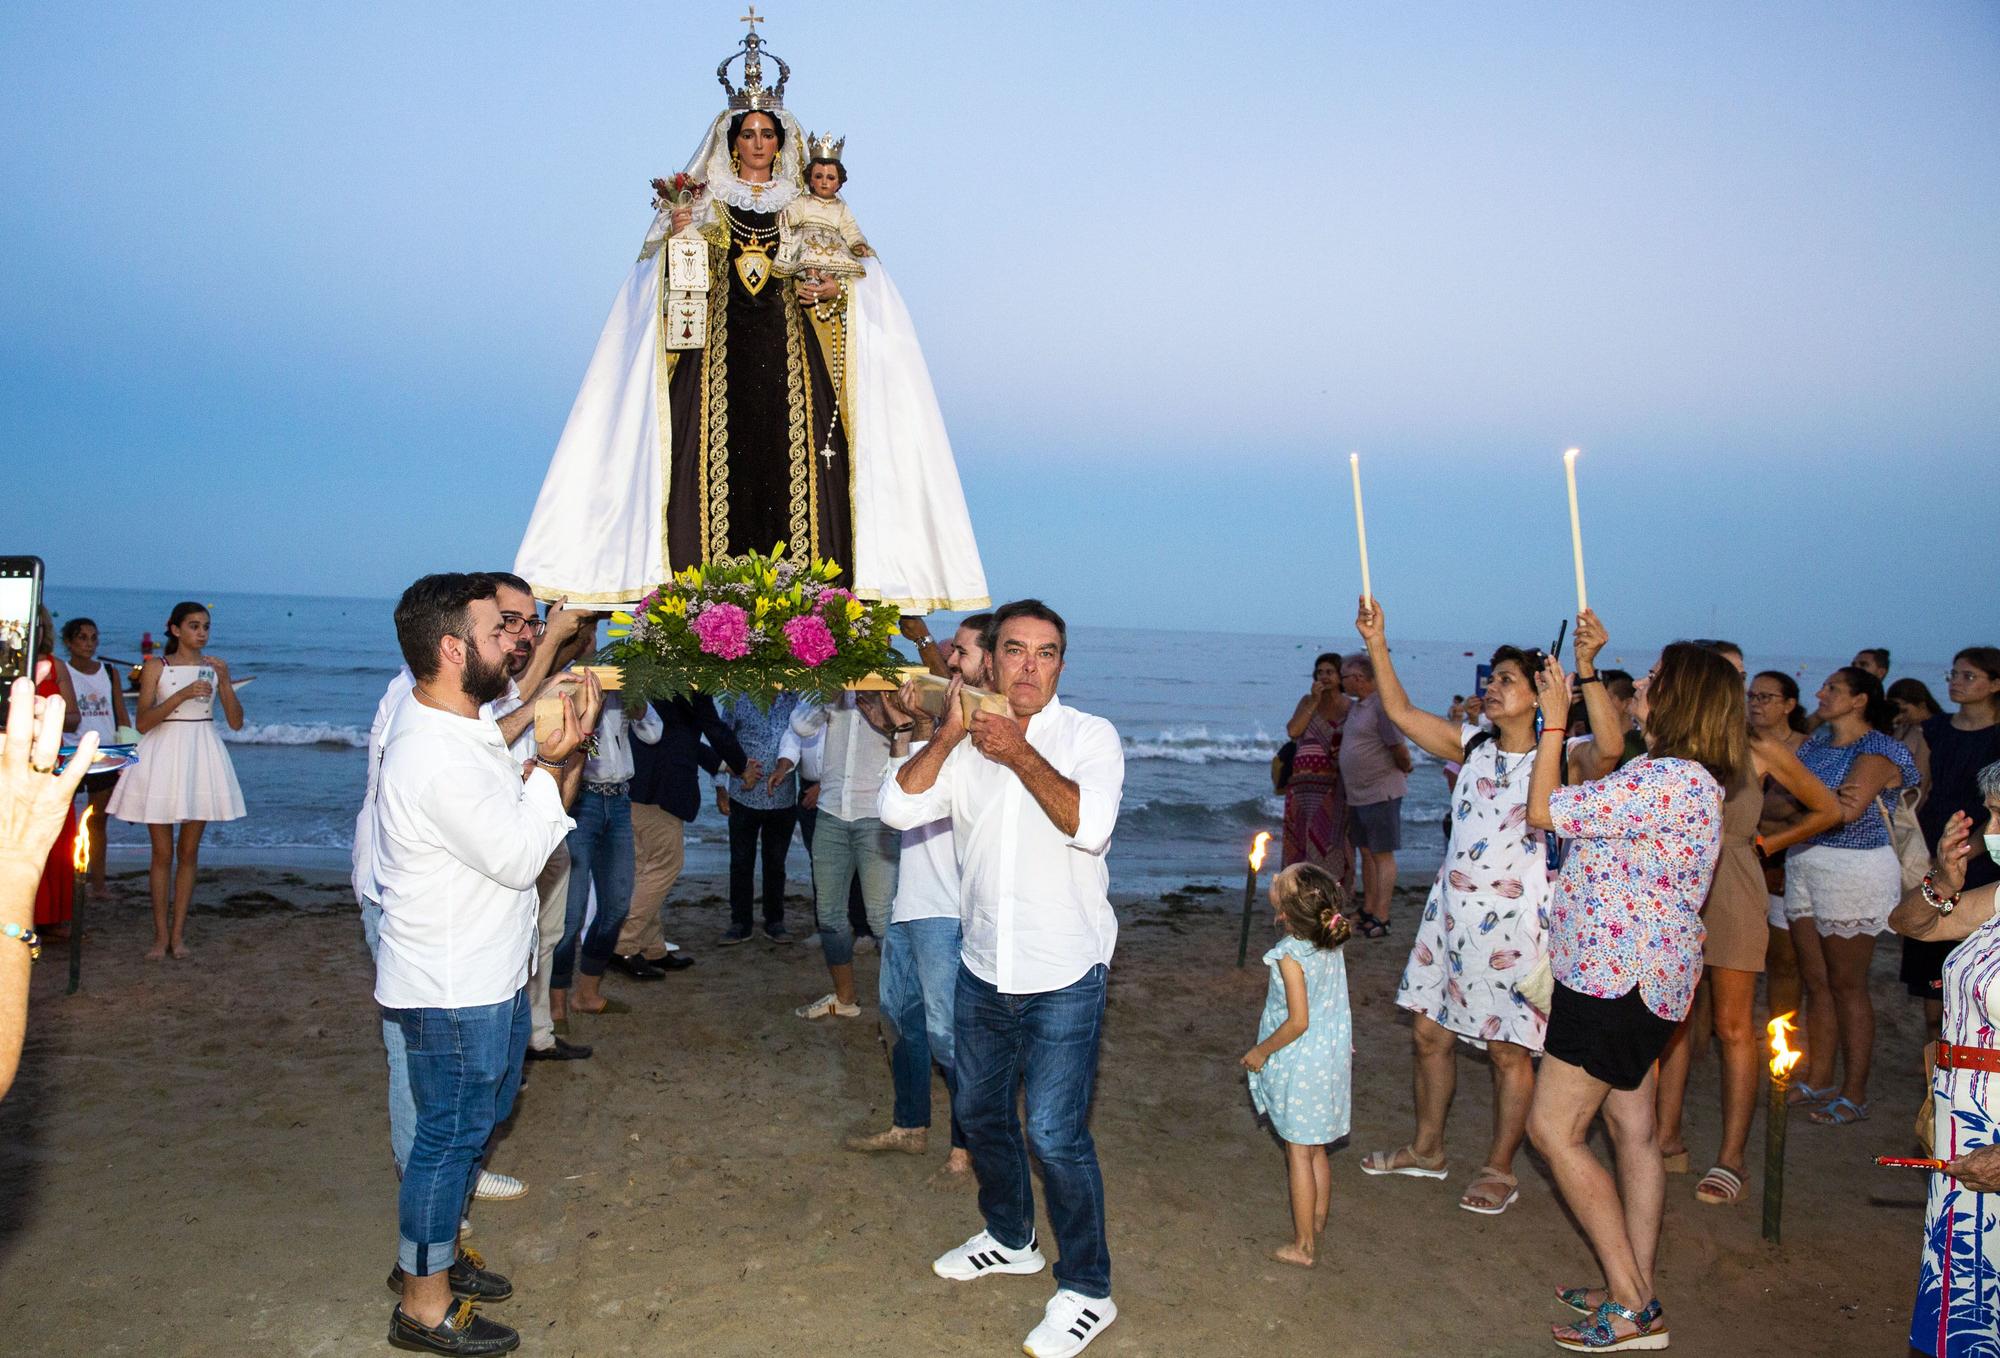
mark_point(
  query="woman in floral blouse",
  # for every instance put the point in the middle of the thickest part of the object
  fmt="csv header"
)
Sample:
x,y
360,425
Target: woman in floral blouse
x,y
1625,938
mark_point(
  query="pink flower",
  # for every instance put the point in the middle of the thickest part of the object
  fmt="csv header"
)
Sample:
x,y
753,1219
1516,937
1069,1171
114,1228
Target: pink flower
x,y
812,641
724,630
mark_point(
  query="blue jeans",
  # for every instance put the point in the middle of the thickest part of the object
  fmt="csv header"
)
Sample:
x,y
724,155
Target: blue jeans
x,y
402,1108
843,850
919,981
1050,1042
600,851
465,1069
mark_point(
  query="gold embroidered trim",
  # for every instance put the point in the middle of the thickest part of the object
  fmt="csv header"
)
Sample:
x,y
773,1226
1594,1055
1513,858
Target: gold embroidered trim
x,y
803,547
914,607
715,453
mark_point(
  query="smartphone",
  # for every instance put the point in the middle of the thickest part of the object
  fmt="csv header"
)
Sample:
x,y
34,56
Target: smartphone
x,y
1556,650
20,622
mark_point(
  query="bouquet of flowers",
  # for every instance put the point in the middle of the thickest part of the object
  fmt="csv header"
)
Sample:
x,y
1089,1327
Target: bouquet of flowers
x,y
753,627
679,191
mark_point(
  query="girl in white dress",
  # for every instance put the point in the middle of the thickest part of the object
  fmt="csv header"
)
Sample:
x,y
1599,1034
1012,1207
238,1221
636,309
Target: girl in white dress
x,y
100,707
183,776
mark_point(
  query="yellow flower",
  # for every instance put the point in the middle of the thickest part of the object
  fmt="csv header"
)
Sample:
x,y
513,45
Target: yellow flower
x,y
855,610
763,607
622,616
673,605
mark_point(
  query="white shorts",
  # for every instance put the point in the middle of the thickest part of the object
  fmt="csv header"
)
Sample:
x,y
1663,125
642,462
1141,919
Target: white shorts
x,y
1844,892
1776,913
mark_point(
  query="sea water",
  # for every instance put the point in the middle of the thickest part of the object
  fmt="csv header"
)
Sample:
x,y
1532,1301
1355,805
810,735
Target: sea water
x,y
1200,715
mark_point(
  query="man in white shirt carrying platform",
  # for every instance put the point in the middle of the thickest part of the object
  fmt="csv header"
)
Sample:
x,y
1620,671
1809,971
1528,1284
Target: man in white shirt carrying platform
x,y
1032,797
460,834
919,978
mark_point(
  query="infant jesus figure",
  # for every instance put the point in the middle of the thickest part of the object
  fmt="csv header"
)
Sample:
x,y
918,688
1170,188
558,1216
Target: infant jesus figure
x,y
821,239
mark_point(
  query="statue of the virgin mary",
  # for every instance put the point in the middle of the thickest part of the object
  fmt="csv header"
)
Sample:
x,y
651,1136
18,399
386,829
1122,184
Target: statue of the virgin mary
x,y
768,409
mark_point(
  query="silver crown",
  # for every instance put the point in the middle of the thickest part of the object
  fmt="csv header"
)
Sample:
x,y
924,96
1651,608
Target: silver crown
x,y
824,146
754,95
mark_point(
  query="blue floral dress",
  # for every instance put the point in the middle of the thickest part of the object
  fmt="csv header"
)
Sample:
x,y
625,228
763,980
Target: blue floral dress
x,y
1958,1291
1306,1088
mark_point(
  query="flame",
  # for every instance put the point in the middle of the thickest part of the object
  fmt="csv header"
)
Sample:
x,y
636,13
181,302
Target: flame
x,y
1257,850
1783,1055
79,852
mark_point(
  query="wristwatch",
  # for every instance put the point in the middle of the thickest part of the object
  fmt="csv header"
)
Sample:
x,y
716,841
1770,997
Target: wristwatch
x,y
1582,679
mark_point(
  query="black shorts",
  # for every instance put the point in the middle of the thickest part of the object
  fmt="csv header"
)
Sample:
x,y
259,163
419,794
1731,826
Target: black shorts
x,y
1615,1041
94,783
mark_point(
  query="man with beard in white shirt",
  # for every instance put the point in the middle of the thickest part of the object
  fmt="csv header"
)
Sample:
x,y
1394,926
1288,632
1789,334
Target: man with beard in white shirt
x,y
460,832
1033,797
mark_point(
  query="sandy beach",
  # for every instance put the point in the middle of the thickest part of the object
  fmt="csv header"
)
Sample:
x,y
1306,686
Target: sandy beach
x,y
195,1162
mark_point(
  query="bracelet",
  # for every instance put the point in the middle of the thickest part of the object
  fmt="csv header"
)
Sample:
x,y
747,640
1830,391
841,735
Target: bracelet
x,y
904,729
1583,679
27,936
557,767
1943,905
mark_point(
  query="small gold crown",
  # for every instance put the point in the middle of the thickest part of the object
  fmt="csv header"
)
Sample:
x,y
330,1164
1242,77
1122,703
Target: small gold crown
x,y
824,146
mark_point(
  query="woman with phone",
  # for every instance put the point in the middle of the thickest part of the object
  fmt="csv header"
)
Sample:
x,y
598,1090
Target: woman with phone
x,y
183,777
1315,806
100,707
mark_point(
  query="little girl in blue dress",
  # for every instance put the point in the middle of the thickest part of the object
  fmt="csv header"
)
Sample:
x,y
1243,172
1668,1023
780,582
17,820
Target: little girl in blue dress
x,y
1301,1070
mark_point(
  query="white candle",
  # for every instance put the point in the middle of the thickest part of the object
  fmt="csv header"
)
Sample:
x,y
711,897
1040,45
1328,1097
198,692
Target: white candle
x,y
1575,528
1360,526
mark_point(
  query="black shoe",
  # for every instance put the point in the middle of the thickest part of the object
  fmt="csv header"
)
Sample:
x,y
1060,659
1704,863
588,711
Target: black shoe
x,y
561,1051
673,961
463,1331
639,967
470,1280
734,936
777,933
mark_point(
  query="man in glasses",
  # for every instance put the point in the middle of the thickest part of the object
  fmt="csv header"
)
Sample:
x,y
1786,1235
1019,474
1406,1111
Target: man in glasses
x,y
540,649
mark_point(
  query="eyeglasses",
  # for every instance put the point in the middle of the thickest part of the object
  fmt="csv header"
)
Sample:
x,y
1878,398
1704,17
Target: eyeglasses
x,y
1766,697
513,624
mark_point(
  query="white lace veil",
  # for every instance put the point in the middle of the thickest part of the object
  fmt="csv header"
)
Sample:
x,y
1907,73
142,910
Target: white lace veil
x,y
710,164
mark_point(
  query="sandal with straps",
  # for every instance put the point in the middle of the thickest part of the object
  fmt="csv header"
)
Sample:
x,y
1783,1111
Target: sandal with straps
x,y
1803,1094
1371,927
1719,1187
1489,1175
1839,1112
1598,1335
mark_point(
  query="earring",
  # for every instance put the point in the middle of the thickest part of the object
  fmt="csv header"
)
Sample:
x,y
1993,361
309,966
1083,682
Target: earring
x,y
735,163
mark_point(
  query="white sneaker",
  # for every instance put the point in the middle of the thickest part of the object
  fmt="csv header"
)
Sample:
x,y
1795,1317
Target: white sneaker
x,y
1069,1322
825,1005
982,1255
498,1187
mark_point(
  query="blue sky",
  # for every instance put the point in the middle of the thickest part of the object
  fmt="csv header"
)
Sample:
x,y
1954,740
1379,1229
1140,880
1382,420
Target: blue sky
x,y
296,297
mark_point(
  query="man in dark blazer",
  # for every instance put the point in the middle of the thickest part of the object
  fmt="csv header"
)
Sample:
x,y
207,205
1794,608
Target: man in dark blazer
x,y
666,795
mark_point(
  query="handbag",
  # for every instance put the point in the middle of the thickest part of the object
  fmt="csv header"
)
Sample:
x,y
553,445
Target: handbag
x,y
1906,838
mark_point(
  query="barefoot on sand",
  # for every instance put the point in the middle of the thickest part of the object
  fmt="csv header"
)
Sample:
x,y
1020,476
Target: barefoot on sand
x,y
1292,1254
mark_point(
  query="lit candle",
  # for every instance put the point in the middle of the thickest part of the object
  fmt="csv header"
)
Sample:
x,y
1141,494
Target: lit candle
x,y
1361,526
1575,525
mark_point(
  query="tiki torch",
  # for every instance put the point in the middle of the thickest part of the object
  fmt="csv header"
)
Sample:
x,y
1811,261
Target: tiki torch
x,y
79,859
1783,1057
1250,892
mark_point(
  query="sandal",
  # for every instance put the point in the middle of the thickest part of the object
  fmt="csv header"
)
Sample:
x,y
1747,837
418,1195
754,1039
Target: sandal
x,y
1840,1112
1675,1162
611,1006
1598,1335
1489,1175
1384,1162
1804,1093
1372,927
1578,1299
1719,1187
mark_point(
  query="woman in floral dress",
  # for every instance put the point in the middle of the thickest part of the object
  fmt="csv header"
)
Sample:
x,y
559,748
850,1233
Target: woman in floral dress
x,y
1483,926
1315,808
1958,1288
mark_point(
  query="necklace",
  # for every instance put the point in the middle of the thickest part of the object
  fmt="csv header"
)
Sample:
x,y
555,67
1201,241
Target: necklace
x,y
1506,775
753,262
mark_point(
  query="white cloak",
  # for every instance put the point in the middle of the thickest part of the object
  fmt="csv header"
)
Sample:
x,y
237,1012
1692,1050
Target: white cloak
x,y
598,532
